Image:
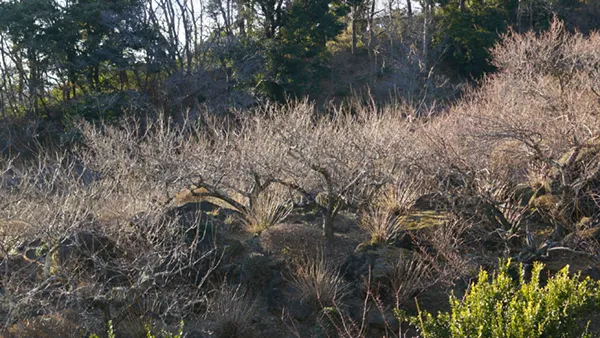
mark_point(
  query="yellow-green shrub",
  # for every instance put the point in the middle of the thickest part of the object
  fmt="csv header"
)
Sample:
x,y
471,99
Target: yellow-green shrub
x,y
504,307
149,334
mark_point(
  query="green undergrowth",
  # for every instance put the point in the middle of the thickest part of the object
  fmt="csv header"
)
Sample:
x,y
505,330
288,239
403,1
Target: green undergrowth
x,y
149,333
500,306
424,219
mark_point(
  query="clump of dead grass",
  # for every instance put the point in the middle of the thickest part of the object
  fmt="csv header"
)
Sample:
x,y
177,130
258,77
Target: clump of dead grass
x,y
383,219
270,208
318,281
409,276
399,197
382,225
232,311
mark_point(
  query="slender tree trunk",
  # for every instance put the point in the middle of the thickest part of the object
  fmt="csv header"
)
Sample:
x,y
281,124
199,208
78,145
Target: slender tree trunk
x,y
195,31
392,27
328,230
370,25
372,19
187,35
530,14
21,81
409,11
8,89
519,23
328,227
426,37
353,27
241,20
34,80
97,77
461,5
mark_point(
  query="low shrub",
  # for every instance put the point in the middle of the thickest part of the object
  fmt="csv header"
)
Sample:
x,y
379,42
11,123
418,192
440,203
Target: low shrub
x,y
409,276
503,307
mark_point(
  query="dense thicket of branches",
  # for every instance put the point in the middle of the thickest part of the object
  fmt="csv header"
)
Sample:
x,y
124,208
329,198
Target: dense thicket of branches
x,y
227,221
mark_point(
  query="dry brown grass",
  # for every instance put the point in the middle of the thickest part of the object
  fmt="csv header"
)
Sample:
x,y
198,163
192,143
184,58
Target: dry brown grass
x,y
269,208
398,197
409,276
381,224
232,310
292,240
318,282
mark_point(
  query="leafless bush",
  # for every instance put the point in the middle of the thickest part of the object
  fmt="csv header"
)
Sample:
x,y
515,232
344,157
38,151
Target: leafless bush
x,y
552,52
345,156
80,241
542,102
532,118
444,252
550,106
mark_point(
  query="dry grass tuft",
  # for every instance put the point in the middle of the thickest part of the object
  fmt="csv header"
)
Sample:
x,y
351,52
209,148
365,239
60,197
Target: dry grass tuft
x,y
270,208
319,282
381,224
409,276
399,197
232,310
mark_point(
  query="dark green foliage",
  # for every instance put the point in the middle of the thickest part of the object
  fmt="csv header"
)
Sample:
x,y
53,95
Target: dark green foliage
x,y
75,48
109,107
468,33
76,51
31,25
296,55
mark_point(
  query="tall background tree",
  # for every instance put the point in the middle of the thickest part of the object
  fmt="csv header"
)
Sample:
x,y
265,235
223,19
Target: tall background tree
x,y
102,59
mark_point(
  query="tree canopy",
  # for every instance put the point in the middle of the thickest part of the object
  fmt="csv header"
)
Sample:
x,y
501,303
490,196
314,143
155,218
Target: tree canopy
x,y
105,58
